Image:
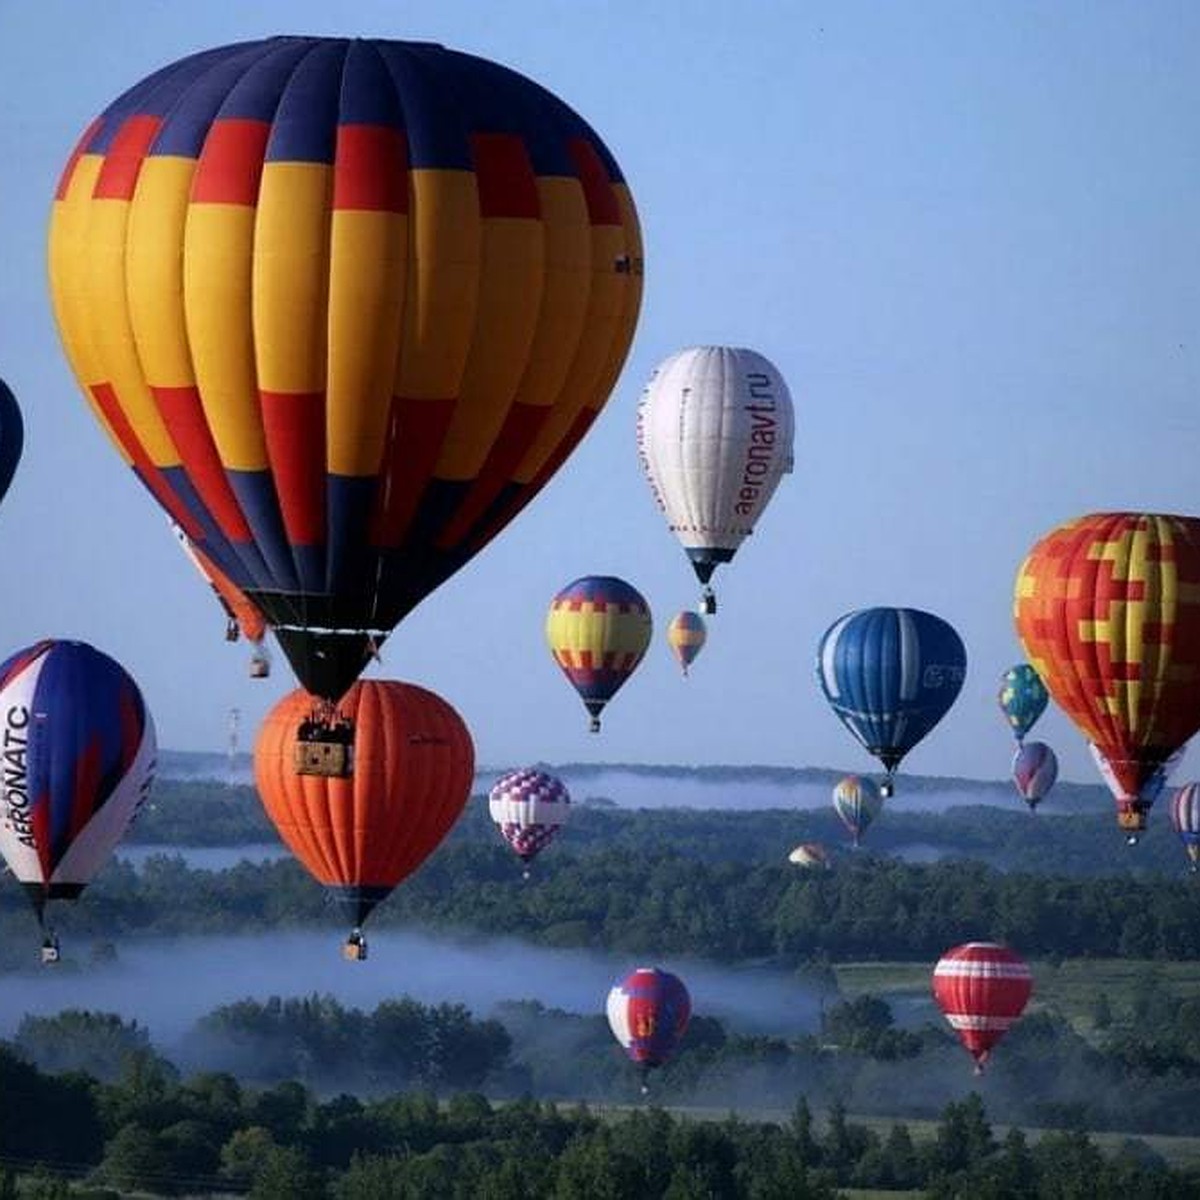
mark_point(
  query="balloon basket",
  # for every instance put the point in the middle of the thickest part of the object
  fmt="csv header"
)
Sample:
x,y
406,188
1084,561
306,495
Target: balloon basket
x,y
325,747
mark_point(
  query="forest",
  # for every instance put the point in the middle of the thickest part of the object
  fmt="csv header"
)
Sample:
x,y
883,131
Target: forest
x,y
152,1132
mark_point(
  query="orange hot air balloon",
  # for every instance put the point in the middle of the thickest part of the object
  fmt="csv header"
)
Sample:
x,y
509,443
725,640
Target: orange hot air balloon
x,y
365,824
1108,609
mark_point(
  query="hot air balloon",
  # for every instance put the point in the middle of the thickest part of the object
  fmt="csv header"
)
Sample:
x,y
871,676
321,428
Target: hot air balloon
x,y
810,854
1185,819
686,636
648,1012
529,807
890,675
1034,770
363,824
78,764
981,988
1022,699
714,435
598,628
1107,607
857,801
344,306
242,619
12,437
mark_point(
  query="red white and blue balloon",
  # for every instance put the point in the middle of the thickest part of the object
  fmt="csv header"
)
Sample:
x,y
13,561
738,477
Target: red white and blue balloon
x,y
648,1012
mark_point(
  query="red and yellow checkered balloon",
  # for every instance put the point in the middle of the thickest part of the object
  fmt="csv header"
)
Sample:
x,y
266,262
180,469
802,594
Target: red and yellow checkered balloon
x,y
1108,609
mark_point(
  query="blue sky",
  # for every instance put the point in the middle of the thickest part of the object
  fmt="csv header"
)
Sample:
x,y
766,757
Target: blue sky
x,y
966,234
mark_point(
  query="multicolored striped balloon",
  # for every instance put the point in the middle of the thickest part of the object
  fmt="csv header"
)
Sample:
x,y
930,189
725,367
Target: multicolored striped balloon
x,y
982,988
686,636
1107,607
598,628
648,1012
79,761
857,801
529,807
344,306
1185,819
1034,770
1022,698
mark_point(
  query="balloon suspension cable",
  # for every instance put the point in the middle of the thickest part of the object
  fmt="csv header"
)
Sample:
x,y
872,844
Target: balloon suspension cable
x,y
644,1080
708,601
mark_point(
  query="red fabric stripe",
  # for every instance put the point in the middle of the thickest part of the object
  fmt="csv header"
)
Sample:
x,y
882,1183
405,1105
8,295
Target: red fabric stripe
x,y
119,173
504,176
87,779
183,414
39,823
520,429
147,472
64,181
370,169
597,187
230,165
416,431
294,424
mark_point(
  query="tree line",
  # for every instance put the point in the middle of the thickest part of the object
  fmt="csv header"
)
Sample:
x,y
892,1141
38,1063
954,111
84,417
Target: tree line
x,y
153,1133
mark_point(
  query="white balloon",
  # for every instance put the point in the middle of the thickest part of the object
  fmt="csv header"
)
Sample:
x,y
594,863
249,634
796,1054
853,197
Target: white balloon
x,y
715,432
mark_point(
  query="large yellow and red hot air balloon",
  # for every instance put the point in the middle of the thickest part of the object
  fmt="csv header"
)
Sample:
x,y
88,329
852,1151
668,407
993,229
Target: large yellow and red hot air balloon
x,y
362,828
1108,609
344,306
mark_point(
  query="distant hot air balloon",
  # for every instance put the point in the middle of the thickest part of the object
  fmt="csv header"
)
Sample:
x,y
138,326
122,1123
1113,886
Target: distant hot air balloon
x,y
686,636
890,675
241,617
1034,770
12,437
598,628
79,761
529,807
1022,699
982,988
362,824
714,431
1107,607
857,801
810,854
648,1012
344,306
1185,819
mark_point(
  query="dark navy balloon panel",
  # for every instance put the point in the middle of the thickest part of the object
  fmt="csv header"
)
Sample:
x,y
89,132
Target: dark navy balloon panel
x,y
12,437
79,755
890,674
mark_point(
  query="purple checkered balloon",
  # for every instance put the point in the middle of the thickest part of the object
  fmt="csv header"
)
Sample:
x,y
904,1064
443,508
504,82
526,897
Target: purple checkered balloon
x,y
529,806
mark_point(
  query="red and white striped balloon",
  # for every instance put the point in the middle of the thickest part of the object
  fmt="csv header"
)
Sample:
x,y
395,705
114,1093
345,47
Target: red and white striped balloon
x,y
981,988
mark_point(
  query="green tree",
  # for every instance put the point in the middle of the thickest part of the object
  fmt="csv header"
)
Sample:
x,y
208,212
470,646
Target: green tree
x,y
245,1154
286,1174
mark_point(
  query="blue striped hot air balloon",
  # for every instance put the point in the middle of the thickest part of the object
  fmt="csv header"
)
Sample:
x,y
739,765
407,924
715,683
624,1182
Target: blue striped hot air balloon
x,y
890,675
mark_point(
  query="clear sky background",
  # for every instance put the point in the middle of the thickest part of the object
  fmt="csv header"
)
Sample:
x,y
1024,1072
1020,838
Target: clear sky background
x,y
967,234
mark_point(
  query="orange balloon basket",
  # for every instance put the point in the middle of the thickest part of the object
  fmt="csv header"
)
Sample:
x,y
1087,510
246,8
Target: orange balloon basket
x,y
1132,818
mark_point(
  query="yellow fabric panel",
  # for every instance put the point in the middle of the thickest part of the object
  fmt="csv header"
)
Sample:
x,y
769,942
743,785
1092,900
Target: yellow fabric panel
x,y
367,273
592,356
112,335
218,244
510,296
443,284
154,270
291,276
571,632
66,250
565,291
